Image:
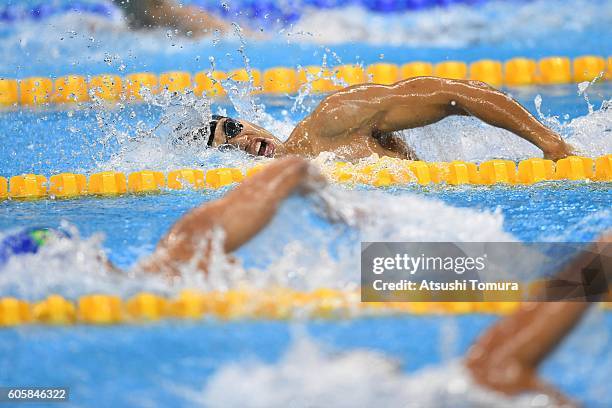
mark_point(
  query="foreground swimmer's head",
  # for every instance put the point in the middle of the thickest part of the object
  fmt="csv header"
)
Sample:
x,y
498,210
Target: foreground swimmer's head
x,y
28,241
224,133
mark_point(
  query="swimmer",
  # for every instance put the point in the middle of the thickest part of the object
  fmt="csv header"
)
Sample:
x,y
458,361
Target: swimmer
x,y
188,20
504,359
361,120
27,241
240,214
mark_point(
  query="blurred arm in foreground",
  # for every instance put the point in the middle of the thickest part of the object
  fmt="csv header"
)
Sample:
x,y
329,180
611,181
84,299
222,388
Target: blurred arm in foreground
x,y
241,214
507,356
188,20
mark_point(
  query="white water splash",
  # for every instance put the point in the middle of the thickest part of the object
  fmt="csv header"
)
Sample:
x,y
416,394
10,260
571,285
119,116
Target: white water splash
x,y
592,134
454,26
454,138
307,264
310,376
466,138
411,217
74,39
76,266
159,146
69,266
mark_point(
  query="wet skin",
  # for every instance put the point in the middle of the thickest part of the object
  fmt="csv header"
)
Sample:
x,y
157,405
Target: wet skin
x,y
241,214
505,358
360,120
187,20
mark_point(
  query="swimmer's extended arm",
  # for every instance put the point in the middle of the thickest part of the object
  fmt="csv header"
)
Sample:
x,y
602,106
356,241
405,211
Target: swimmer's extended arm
x,y
242,213
507,356
422,101
167,13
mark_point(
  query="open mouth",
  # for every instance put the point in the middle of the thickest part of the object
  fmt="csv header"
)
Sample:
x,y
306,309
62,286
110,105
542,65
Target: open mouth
x,y
262,147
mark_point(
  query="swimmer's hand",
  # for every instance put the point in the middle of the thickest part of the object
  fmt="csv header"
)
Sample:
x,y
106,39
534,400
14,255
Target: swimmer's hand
x,y
558,150
561,151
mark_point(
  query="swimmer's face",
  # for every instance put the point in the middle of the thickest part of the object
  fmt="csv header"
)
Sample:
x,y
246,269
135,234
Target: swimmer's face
x,y
252,139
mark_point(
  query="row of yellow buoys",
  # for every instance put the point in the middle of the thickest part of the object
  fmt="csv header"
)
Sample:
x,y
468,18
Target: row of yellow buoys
x,y
514,72
106,183
276,303
388,171
383,172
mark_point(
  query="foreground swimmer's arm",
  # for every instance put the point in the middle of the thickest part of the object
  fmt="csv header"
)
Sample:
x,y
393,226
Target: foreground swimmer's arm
x,y
241,214
379,109
507,356
167,13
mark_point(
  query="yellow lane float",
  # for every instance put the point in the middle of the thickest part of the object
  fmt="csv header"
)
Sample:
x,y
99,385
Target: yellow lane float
x,y
243,303
518,71
379,172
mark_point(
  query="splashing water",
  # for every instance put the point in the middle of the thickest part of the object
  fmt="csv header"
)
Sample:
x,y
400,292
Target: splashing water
x,y
455,26
102,43
69,266
330,258
592,134
309,375
73,267
454,138
159,146
465,138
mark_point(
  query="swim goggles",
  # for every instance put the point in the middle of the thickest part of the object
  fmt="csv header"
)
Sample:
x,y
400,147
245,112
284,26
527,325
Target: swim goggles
x,y
231,128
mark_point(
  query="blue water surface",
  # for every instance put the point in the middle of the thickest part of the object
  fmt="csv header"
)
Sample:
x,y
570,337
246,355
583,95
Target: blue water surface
x,y
153,365
150,364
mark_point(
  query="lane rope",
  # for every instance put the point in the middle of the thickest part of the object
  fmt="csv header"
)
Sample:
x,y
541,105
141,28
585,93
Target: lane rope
x,y
384,172
240,304
75,89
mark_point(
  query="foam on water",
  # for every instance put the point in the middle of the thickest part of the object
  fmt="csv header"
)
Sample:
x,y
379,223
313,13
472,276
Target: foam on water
x,y
454,138
454,26
299,264
309,263
466,138
76,266
592,134
76,39
309,375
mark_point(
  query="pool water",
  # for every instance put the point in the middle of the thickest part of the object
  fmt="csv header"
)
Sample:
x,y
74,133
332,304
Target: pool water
x,y
187,363
171,363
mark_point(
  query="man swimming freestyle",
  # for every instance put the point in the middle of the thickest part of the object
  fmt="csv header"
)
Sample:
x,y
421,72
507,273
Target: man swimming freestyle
x,y
361,120
504,359
187,20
